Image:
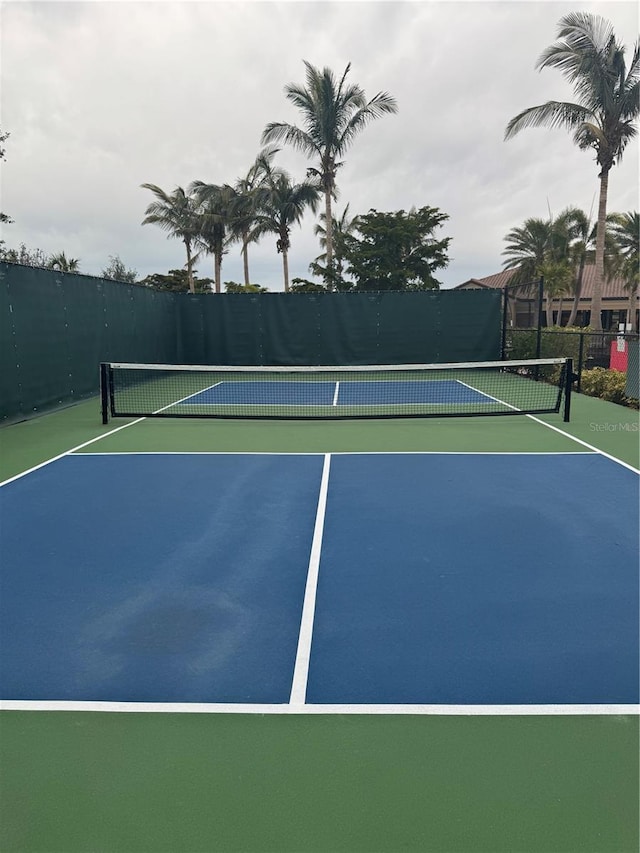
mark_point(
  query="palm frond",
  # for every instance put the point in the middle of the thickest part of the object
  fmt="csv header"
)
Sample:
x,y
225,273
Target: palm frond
x,y
290,135
551,114
582,42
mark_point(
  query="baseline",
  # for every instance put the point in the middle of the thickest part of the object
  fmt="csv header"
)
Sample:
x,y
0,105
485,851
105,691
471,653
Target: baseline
x,y
303,709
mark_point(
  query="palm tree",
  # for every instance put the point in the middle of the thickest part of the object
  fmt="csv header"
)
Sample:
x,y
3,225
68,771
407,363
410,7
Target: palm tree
x,y
556,273
280,205
526,249
175,213
626,230
341,227
243,202
214,217
333,113
591,58
63,263
539,249
581,238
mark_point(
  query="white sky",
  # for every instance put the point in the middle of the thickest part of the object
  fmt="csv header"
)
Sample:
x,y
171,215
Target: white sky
x,y
100,97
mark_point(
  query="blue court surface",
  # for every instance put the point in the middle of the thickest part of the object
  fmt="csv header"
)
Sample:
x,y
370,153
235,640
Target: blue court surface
x,y
351,393
442,579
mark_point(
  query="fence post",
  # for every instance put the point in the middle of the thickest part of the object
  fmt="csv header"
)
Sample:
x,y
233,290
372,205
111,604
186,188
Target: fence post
x,y
539,330
505,311
580,357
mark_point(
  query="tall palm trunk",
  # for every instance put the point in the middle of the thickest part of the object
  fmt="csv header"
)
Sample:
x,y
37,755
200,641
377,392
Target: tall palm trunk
x,y
328,234
245,256
577,294
192,288
285,268
217,269
549,310
631,310
596,299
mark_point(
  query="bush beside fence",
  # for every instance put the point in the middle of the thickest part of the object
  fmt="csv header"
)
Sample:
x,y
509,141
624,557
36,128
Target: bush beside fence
x,y
608,385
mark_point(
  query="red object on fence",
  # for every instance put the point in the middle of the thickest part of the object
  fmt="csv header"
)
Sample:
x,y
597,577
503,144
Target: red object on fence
x,y
618,359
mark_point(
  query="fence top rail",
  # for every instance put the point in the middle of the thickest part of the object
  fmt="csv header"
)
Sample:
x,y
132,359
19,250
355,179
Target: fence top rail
x,y
563,330
359,368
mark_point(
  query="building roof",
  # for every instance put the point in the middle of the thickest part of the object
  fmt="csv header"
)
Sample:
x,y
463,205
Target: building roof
x,y
613,288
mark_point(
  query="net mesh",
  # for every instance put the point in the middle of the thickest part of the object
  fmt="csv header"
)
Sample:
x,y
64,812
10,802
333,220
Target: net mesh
x,y
394,391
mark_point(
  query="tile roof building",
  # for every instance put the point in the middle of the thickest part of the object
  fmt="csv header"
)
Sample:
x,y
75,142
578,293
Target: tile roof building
x,y
615,298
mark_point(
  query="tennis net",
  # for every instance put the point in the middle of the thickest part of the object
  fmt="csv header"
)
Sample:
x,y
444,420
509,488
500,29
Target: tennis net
x,y
375,391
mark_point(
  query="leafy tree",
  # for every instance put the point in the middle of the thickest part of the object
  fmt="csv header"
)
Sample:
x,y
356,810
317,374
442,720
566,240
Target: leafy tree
x,y
63,263
117,271
397,251
177,281
303,285
333,113
25,256
176,214
591,58
235,287
626,230
281,205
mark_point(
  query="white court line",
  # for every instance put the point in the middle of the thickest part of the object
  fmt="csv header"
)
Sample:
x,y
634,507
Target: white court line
x,y
557,429
299,708
68,452
586,444
335,396
303,653
91,441
593,452
338,453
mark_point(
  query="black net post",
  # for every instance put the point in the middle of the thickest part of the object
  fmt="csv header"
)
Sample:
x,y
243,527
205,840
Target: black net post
x,y
568,382
104,392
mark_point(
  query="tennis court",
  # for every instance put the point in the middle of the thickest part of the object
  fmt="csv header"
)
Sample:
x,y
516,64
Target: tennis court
x,y
377,635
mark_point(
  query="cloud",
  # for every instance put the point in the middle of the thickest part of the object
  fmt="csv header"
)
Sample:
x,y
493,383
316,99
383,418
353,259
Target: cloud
x,y
101,97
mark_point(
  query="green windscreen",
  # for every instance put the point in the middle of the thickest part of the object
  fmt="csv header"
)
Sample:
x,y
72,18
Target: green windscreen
x,y
340,328
56,328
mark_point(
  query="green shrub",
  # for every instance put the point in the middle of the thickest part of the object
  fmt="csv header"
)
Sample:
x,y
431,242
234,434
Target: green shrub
x,y
521,344
608,385
562,343
556,342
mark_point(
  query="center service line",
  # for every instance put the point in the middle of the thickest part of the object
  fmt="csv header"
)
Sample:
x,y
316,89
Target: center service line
x,y
303,654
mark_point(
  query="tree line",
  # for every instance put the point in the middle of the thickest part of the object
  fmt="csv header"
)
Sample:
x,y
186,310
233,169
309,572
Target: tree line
x,y
397,249
559,249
